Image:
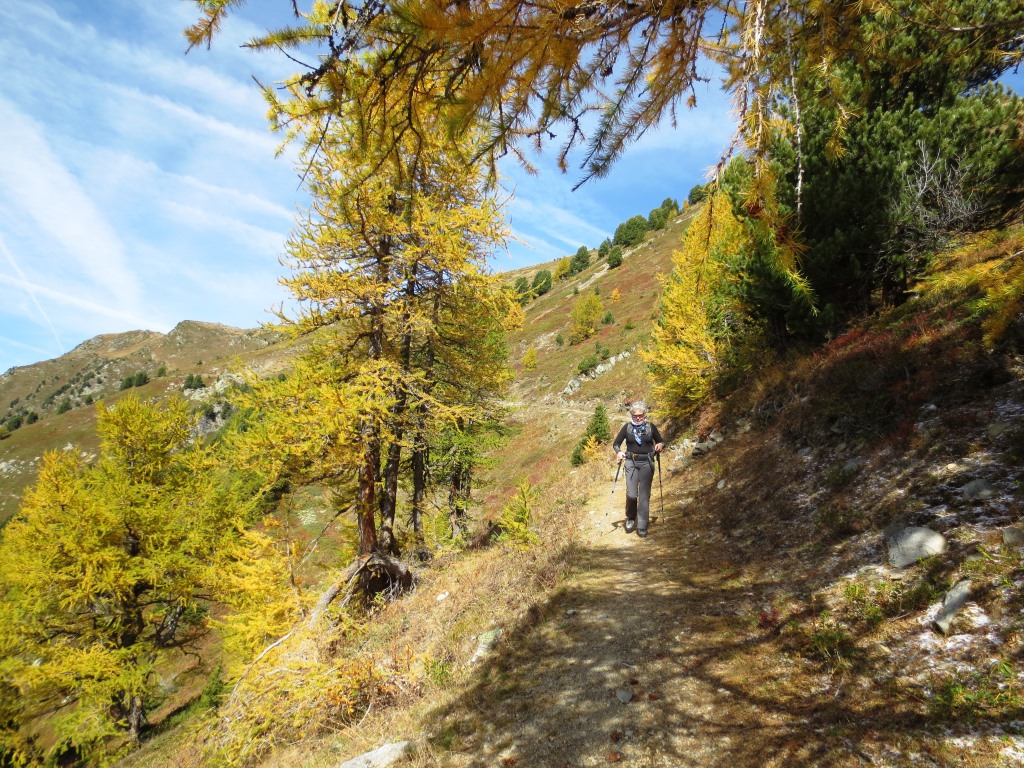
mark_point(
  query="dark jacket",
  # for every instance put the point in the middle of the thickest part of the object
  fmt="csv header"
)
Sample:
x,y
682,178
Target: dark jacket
x,y
649,439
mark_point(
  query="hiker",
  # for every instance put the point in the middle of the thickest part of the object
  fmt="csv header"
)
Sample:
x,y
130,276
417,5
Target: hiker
x,y
639,441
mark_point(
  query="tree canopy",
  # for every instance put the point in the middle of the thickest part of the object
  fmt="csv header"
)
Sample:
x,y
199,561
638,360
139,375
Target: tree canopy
x,y
591,74
107,570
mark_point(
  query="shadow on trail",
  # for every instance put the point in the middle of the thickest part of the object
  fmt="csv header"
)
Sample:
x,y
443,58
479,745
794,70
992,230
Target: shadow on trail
x,y
657,653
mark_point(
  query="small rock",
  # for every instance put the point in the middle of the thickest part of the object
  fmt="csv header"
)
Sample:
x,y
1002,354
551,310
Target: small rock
x,y
721,484
485,643
442,596
978,490
951,604
1013,537
624,695
997,429
379,758
804,452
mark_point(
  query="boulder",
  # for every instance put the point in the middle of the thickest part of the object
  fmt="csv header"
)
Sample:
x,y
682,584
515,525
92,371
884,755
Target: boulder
x,y
908,545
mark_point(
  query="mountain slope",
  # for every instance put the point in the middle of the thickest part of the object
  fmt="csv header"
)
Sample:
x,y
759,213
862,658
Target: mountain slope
x,y
59,393
762,622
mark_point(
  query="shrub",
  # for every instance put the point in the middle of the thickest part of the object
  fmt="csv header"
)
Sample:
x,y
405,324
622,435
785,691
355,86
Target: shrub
x,y
830,642
31,417
562,269
127,382
13,423
4,433
161,371
140,378
559,339
607,319
587,364
65,405
530,358
193,381
514,523
615,257
604,249
698,193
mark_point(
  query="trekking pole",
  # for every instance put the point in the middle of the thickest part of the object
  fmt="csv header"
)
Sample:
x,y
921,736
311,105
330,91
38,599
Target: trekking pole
x,y
661,495
613,486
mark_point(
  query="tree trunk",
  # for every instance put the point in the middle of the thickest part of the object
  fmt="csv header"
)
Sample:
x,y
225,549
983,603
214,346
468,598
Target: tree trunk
x,y
136,717
457,496
419,495
389,498
366,507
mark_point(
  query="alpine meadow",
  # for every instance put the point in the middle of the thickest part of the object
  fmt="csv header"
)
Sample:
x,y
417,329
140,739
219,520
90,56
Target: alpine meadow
x,y
389,528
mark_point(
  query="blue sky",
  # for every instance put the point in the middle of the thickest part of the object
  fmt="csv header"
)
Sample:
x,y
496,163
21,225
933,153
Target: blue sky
x,y
139,187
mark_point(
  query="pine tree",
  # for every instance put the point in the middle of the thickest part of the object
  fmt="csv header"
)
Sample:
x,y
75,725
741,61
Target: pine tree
x,y
541,282
108,570
389,268
688,339
529,360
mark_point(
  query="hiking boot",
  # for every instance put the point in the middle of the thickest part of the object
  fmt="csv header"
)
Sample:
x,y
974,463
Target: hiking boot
x,y
642,533
630,526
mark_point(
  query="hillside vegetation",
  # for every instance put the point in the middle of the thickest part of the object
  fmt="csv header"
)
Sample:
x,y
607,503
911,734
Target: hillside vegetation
x,y
763,604
395,518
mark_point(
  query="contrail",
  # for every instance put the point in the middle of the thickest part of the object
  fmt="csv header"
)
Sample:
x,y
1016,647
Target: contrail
x,y
27,286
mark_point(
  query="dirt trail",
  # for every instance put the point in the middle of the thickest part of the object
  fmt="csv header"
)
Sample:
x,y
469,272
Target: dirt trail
x,y
649,655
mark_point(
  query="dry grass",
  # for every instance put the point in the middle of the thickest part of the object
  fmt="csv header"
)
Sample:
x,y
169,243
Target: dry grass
x,y
749,628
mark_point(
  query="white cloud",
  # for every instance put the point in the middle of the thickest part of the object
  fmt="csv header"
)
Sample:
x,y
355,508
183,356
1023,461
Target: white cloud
x,y
263,240
71,301
558,224
39,186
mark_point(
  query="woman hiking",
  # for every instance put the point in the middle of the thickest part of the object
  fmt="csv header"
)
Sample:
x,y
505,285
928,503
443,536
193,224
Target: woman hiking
x,y
639,441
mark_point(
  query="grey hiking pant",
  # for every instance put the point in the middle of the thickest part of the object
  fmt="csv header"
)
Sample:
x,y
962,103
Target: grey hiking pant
x,y
639,477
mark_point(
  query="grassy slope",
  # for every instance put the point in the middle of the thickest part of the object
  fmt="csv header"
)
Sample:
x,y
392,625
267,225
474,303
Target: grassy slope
x,y
761,625
769,631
